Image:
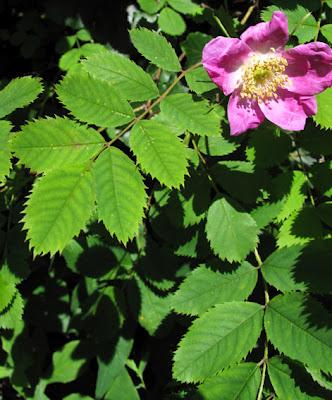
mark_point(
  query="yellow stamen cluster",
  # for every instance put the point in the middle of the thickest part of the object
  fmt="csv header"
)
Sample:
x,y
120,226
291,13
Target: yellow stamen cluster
x,y
262,77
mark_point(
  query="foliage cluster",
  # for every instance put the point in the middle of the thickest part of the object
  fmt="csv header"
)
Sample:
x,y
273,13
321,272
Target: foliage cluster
x,y
145,253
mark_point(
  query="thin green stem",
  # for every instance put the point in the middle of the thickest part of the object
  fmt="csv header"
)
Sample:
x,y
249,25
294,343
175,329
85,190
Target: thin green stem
x,y
221,26
264,361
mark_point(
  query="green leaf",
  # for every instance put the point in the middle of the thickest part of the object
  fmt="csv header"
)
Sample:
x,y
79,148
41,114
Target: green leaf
x,y
232,234
283,383
217,339
19,93
111,366
300,327
150,308
323,117
193,116
151,6
198,81
293,183
58,207
67,363
301,23
123,74
7,287
268,137
121,197
155,48
204,288
76,396
93,101
216,146
240,382
315,140
193,46
5,128
52,143
291,268
322,379
266,213
171,22
11,316
159,152
122,388
185,7
300,228
326,31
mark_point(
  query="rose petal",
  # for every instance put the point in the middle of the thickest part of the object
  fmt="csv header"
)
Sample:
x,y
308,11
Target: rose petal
x,y
243,114
222,59
289,110
266,35
309,68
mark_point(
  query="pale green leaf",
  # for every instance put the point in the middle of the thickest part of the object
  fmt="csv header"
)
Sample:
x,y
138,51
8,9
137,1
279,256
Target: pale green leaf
x,y
67,363
240,382
300,228
5,128
58,207
121,197
323,118
171,22
300,328
151,6
222,336
159,152
295,198
216,146
198,81
154,47
301,22
266,213
52,143
232,234
204,288
19,93
193,116
93,101
326,31
283,383
123,74
76,396
11,316
300,267
185,6
122,388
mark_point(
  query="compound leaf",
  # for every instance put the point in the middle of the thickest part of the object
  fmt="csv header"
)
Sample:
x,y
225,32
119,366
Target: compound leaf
x,y
240,382
160,152
121,196
155,48
123,74
232,234
19,93
52,143
5,128
220,337
193,116
58,207
93,101
300,327
204,288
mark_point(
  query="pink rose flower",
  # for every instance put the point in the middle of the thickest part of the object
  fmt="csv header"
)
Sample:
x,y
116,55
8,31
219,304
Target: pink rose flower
x,y
264,79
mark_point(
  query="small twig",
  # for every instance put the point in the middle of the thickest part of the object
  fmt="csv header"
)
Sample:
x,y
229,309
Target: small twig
x,y
264,362
248,13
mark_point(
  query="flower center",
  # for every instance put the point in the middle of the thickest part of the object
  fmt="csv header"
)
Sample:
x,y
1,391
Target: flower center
x,y
263,76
